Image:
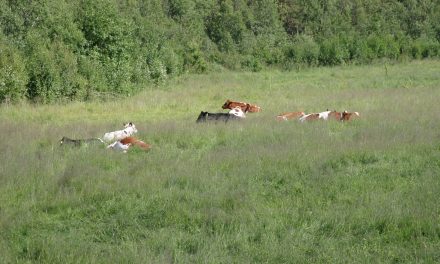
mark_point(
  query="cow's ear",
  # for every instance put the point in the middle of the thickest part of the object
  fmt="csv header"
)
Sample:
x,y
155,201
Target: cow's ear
x,y
130,124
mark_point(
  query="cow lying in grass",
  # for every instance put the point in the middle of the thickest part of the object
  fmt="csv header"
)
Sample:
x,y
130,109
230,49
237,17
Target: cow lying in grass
x,y
309,117
324,115
129,130
65,141
234,114
245,107
346,116
289,116
335,115
125,143
206,116
329,115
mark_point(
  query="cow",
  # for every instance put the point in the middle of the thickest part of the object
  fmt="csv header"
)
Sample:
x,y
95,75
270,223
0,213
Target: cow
x,y
334,115
326,114
65,141
117,145
309,117
245,107
129,129
206,116
289,115
237,112
346,116
125,143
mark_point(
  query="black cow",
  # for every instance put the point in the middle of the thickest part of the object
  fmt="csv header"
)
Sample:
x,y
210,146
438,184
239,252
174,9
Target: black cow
x,y
205,116
65,141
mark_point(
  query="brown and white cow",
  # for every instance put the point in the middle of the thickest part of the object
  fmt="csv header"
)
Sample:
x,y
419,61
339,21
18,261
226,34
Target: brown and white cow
x,y
129,129
309,117
334,115
346,116
245,107
330,115
289,115
127,142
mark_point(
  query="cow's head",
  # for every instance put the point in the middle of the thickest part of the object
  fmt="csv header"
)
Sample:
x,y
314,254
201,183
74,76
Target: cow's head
x,y
129,124
130,129
347,115
226,104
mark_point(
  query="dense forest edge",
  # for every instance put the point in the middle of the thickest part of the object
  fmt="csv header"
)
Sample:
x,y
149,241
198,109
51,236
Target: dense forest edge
x,y
59,50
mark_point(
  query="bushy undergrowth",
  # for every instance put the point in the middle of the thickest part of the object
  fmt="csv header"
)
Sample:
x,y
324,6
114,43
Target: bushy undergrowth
x,y
57,50
249,192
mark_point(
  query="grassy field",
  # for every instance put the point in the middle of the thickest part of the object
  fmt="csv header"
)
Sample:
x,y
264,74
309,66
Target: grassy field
x,y
257,191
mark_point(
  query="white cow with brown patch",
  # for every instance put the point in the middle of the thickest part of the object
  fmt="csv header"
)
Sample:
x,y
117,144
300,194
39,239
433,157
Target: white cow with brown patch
x,y
129,129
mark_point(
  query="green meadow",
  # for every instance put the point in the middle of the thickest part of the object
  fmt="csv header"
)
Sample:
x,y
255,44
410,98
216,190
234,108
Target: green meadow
x,y
253,191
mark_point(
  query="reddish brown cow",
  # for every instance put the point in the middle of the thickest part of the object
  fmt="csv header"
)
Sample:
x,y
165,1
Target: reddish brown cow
x,y
335,115
135,142
245,107
289,115
346,116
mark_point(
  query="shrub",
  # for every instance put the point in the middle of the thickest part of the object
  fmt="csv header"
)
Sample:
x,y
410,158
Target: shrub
x,y
193,58
173,63
303,50
91,69
44,82
158,71
362,52
251,63
385,46
13,75
425,48
333,52
72,84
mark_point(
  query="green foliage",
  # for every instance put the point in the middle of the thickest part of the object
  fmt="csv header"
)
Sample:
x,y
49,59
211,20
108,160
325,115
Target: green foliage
x,y
383,46
303,50
105,32
251,63
109,47
193,58
44,81
225,26
362,51
333,52
425,48
13,75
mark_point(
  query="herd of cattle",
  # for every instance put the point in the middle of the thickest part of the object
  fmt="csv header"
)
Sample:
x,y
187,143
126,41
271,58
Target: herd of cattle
x,y
122,140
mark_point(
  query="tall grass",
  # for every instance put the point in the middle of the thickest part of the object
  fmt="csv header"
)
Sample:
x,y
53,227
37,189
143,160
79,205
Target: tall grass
x,y
243,192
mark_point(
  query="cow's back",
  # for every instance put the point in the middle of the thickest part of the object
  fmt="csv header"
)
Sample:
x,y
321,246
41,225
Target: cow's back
x,y
205,116
289,116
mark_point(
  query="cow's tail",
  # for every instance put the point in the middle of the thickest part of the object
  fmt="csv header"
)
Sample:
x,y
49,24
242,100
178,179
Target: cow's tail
x,y
102,141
